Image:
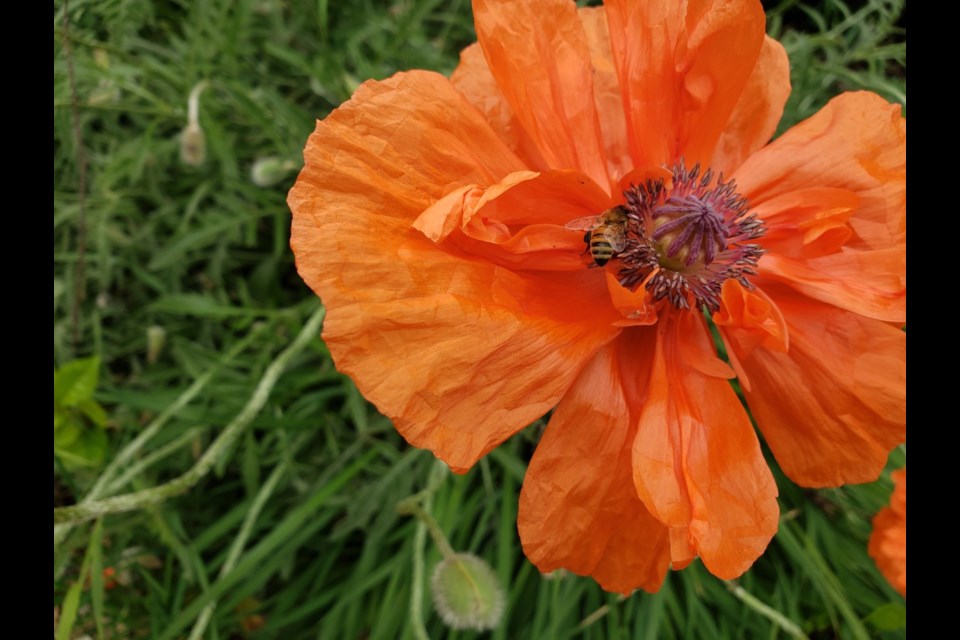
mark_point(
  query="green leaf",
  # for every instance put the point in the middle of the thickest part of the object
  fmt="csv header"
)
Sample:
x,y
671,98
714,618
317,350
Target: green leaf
x,y
67,431
92,409
60,417
68,614
76,381
889,617
92,446
193,304
88,450
71,603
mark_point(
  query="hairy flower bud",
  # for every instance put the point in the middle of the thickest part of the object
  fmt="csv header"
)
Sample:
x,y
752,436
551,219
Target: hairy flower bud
x,y
193,145
466,593
156,339
267,172
193,142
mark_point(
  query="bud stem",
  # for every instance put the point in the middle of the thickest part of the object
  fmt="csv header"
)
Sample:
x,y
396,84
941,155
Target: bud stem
x,y
411,506
193,103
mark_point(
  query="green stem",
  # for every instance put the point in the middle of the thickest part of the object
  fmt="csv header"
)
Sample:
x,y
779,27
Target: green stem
x,y
154,457
409,507
789,627
104,481
138,443
217,450
416,593
598,614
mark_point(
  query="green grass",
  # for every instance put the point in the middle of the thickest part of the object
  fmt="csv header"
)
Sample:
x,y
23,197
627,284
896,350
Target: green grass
x,y
296,522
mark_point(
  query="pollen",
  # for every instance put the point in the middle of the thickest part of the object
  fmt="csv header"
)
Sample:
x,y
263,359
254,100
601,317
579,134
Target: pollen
x,y
686,238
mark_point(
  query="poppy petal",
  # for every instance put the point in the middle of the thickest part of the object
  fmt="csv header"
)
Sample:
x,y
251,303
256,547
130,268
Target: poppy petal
x,y
473,79
856,145
682,70
856,142
755,316
757,113
430,334
578,508
520,221
870,283
606,92
833,406
697,463
808,223
538,54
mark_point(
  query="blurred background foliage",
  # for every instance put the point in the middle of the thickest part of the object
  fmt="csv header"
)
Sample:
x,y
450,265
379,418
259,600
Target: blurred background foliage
x,y
175,292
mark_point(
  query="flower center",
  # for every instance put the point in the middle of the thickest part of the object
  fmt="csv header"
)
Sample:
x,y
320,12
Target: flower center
x,y
684,240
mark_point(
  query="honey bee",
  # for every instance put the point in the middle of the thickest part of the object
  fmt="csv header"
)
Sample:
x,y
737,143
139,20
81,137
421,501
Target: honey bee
x,y
606,234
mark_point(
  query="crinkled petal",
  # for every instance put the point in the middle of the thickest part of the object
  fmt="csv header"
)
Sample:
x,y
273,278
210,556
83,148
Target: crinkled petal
x,y
833,405
606,92
539,57
697,463
757,320
442,343
757,113
856,142
754,315
473,79
520,221
870,283
838,182
808,223
578,508
682,70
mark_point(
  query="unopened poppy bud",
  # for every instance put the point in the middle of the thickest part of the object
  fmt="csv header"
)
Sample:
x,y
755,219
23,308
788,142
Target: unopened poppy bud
x,y
466,593
193,145
193,142
267,172
156,338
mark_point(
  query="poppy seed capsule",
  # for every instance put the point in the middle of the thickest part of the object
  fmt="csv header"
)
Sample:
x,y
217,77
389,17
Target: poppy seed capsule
x,y
466,593
684,240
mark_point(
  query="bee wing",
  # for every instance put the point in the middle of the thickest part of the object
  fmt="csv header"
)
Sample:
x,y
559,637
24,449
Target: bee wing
x,y
616,235
586,223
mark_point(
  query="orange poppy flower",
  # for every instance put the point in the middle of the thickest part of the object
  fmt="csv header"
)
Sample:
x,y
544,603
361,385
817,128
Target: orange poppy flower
x,y
888,542
441,222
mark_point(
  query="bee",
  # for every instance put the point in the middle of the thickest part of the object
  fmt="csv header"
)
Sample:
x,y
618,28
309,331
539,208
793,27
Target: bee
x,y
606,234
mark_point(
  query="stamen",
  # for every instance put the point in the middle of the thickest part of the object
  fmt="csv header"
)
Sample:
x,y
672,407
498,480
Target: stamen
x,y
685,240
